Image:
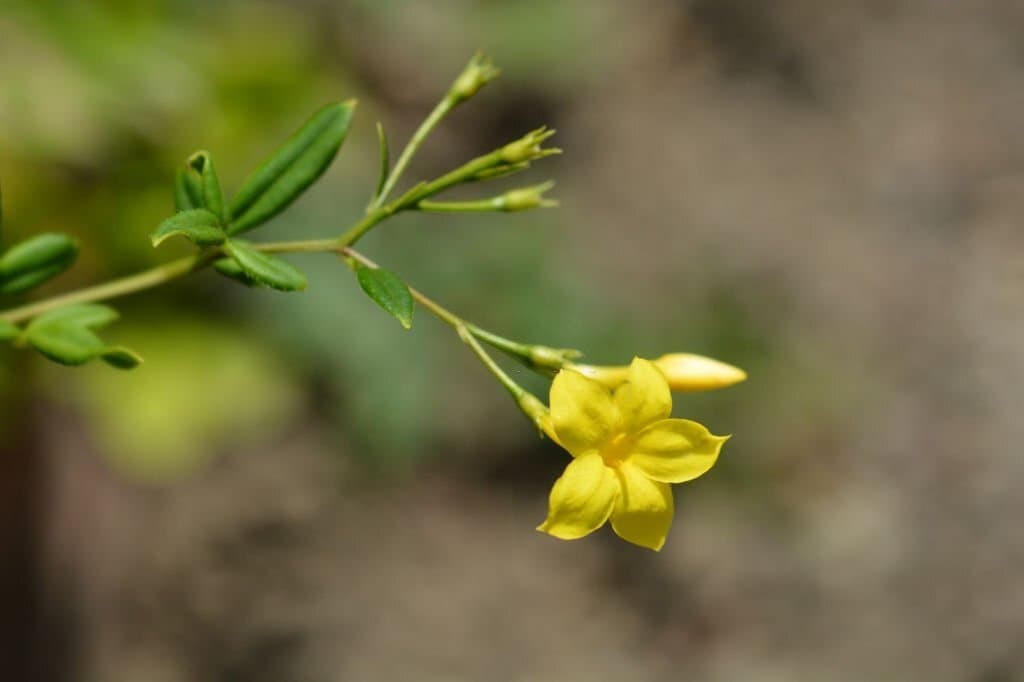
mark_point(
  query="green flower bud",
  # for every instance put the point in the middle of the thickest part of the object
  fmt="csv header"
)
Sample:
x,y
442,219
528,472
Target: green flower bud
x,y
479,72
526,198
528,148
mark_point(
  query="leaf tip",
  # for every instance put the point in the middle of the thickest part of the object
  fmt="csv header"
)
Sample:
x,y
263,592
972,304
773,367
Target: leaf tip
x,y
198,160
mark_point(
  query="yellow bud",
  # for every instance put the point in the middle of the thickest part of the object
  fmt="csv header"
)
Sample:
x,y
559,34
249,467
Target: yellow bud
x,y
685,372
688,372
609,376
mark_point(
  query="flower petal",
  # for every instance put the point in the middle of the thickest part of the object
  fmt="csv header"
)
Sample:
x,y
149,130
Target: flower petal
x,y
582,412
675,450
582,499
644,398
644,509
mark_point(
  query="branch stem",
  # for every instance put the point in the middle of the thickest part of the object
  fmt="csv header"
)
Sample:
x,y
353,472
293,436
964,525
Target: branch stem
x,y
467,331
510,385
435,308
162,274
146,279
447,316
415,142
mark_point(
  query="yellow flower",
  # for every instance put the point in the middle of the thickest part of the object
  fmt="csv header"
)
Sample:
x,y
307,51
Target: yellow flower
x,y
626,452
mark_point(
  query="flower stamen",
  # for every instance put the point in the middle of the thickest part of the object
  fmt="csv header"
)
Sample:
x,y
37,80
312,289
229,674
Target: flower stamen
x,y
615,452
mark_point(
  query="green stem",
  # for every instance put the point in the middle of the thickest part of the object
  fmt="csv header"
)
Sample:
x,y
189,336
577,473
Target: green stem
x,y
415,195
520,351
368,222
467,331
146,279
478,206
510,385
467,172
304,246
438,310
417,140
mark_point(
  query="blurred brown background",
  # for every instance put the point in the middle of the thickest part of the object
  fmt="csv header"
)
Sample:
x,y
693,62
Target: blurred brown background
x,y
827,194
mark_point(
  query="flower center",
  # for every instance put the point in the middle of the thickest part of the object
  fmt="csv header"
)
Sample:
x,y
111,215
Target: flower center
x,y
616,450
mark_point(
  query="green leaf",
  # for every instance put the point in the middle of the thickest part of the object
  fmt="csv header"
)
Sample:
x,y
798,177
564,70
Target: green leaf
x,y
199,225
120,357
292,168
33,261
385,159
230,268
89,315
8,330
266,269
65,336
388,291
188,194
66,344
30,280
213,198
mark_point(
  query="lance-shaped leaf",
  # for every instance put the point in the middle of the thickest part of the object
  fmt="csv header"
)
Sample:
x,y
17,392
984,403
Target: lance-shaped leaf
x,y
8,330
230,268
385,160
65,336
266,269
292,168
31,280
65,344
76,346
388,291
120,357
89,315
188,191
199,225
213,198
32,262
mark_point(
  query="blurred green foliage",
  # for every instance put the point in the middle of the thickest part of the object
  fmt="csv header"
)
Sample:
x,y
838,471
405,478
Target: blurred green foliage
x,y
205,387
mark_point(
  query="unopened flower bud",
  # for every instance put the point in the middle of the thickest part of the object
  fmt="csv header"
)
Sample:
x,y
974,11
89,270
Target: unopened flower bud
x,y
689,372
610,376
685,372
528,148
526,198
479,72
552,358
